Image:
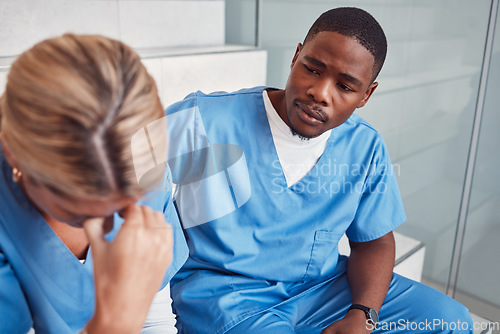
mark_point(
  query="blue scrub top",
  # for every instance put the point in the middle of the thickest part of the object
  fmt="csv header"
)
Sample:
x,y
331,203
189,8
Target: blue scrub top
x,y
43,285
255,242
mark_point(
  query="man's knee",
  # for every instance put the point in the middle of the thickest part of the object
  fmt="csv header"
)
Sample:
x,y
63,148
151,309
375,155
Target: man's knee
x,y
419,305
265,323
453,316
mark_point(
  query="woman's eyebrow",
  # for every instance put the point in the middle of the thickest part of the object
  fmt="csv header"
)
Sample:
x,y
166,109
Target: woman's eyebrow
x,y
72,213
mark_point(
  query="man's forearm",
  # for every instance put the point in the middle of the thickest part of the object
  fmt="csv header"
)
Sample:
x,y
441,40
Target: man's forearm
x,y
369,270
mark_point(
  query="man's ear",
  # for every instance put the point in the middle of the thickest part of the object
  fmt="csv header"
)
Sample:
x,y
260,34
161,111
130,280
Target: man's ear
x,y
296,55
367,95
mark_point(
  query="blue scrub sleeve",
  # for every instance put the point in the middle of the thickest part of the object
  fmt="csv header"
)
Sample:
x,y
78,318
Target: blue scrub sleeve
x,y
187,141
15,315
380,209
180,248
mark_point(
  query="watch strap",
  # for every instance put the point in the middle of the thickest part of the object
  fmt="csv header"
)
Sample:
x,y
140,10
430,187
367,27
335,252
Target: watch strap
x,y
360,307
370,313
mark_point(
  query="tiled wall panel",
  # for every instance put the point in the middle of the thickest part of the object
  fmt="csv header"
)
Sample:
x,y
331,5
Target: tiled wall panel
x,y
148,24
141,24
25,22
177,76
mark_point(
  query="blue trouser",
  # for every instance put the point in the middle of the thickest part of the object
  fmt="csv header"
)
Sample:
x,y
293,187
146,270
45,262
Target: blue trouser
x,y
410,307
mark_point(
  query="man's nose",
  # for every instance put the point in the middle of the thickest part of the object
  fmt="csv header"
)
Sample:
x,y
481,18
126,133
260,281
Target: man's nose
x,y
321,91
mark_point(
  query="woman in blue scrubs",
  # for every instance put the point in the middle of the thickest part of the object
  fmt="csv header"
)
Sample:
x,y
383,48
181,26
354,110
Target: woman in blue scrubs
x,y
77,251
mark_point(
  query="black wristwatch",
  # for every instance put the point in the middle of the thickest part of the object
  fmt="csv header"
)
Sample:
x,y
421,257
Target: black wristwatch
x,y
371,314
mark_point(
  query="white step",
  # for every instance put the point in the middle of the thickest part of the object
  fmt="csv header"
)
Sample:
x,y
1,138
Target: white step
x,y
180,71
3,78
482,326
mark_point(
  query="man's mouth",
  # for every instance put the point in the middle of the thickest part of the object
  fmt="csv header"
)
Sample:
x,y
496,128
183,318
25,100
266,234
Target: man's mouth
x,y
310,115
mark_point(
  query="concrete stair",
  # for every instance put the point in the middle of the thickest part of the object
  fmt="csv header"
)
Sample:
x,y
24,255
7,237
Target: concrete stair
x,y
180,71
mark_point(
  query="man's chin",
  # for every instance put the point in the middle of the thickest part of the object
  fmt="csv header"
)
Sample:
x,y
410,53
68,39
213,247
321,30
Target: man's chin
x,y
302,135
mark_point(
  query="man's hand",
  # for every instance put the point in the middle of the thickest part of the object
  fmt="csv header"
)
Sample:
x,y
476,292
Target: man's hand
x,y
353,323
128,271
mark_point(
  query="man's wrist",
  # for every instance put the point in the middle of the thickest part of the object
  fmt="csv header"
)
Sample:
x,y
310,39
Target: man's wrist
x,y
358,322
370,314
356,313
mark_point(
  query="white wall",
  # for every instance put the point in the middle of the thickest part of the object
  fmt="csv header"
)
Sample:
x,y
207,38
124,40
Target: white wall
x,y
139,23
181,41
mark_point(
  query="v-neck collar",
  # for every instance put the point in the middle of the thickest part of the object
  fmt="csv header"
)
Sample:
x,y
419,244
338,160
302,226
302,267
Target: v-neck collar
x,y
276,163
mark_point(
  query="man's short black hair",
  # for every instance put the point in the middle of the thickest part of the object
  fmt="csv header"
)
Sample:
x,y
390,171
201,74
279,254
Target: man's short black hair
x,y
355,23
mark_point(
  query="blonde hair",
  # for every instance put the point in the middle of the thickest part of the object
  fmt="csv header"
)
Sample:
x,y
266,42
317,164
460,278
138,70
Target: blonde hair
x,y
69,110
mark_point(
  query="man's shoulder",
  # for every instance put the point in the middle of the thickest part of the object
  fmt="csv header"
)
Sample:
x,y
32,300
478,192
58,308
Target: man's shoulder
x,y
357,121
221,94
360,124
244,91
359,131
198,98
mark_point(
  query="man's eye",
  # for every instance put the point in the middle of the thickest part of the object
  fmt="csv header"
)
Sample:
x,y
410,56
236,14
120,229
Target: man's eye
x,y
310,69
345,87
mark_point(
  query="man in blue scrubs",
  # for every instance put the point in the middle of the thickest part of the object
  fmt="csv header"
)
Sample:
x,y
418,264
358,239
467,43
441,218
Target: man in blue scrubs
x,y
268,182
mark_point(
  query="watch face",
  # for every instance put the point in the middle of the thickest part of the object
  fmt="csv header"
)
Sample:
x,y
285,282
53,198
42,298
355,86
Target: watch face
x,y
373,316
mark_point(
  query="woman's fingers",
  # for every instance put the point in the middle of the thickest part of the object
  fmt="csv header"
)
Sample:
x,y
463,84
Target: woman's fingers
x,y
133,215
160,233
153,219
130,269
94,229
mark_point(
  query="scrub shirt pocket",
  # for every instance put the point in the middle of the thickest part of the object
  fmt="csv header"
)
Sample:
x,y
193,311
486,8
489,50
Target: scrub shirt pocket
x,y
324,254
